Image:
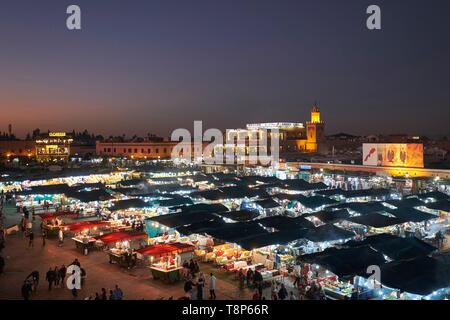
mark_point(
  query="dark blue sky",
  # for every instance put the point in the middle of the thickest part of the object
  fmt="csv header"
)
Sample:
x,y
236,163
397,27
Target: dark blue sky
x,y
153,66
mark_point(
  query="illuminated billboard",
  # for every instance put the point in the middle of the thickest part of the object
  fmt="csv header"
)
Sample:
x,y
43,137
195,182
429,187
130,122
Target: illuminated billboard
x,y
393,155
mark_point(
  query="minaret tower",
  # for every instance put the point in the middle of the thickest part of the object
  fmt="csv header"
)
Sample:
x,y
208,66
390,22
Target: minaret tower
x,y
315,130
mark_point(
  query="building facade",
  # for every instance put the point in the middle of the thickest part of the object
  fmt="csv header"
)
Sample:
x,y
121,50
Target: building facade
x,y
53,147
17,148
259,138
146,149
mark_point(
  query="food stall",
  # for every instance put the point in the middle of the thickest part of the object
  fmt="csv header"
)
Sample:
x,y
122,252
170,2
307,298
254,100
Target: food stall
x,y
122,245
165,260
51,221
83,230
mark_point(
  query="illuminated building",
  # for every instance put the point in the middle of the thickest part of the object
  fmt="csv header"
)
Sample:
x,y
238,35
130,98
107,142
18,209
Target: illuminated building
x,y
258,138
144,149
55,146
17,148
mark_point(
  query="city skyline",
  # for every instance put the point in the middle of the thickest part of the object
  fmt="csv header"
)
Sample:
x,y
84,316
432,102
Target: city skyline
x,y
154,67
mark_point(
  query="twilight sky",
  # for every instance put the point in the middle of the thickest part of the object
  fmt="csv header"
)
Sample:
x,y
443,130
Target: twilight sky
x,y
143,66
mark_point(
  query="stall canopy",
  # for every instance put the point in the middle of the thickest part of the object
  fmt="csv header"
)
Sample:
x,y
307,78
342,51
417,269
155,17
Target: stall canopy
x,y
407,202
85,225
345,263
376,220
301,185
129,203
48,189
331,216
179,201
267,203
411,214
315,202
328,232
396,248
201,227
443,205
330,192
121,236
421,276
90,196
276,238
133,182
241,192
435,195
161,250
367,193
363,207
174,220
285,223
203,207
53,215
233,232
240,215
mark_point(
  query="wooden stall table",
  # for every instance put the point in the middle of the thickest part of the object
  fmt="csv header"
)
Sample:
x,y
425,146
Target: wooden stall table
x,y
84,245
167,276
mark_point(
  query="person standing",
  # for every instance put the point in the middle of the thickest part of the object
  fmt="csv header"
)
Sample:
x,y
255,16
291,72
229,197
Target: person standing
x,y
118,293
60,237
282,293
50,277
31,239
212,287
200,285
44,236
104,295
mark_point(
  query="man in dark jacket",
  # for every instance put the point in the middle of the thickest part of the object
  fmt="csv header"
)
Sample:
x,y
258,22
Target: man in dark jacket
x,y
50,277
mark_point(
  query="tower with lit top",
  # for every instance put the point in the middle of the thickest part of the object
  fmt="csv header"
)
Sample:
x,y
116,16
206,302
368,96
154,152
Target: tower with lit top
x,y
315,130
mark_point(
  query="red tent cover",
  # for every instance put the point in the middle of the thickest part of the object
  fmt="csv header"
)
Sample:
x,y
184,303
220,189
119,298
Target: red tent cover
x,y
78,226
52,215
121,236
160,250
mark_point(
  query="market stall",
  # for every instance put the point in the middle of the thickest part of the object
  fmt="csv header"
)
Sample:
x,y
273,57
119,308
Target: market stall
x,y
165,260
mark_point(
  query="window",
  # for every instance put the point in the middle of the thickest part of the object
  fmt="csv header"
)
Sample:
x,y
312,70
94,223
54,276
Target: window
x,y
129,150
149,150
135,150
109,149
165,150
124,150
104,149
142,151
114,150
157,150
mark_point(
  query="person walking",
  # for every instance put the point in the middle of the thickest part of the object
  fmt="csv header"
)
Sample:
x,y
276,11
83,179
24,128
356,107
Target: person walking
x,y
212,287
111,295
26,290
62,274
31,240
57,277
50,277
